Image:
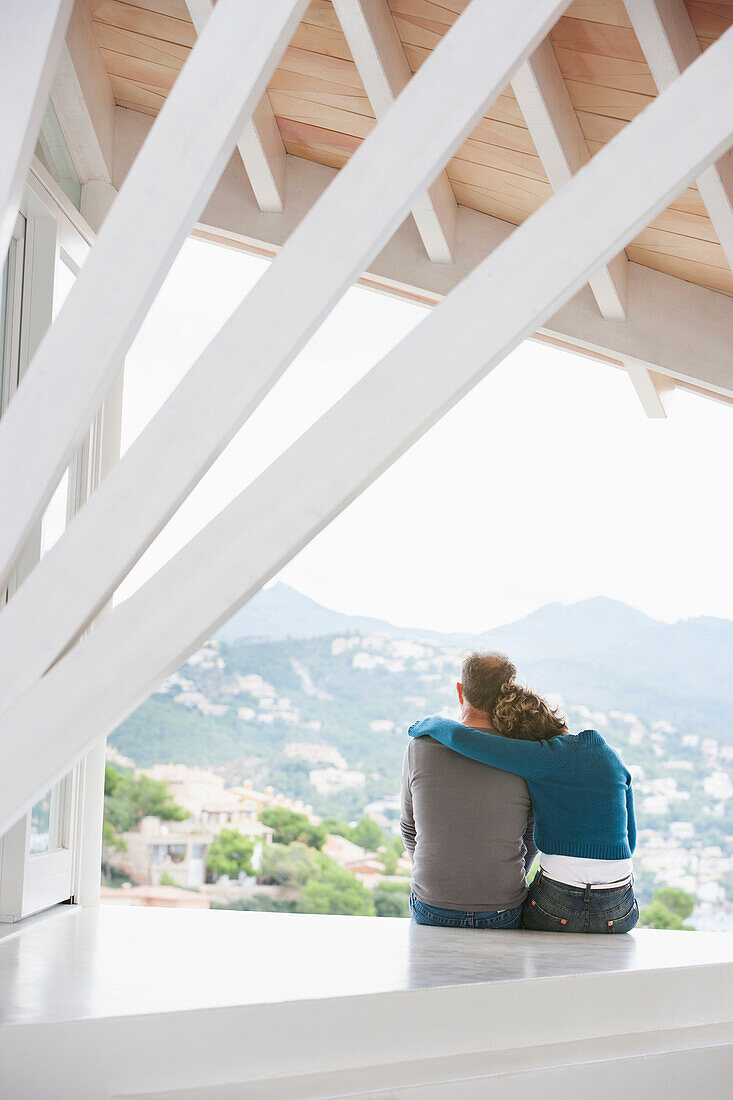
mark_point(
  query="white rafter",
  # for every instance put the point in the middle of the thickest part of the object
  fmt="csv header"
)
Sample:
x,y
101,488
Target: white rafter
x,y
31,39
84,102
380,59
260,144
549,257
653,390
166,190
545,102
669,43
333,244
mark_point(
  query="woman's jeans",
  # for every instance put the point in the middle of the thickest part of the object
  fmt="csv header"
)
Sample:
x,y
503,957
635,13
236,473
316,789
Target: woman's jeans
x,y
552,906
457,918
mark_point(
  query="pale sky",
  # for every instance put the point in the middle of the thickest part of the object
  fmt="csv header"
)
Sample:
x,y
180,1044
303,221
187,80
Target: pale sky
x,y
546,483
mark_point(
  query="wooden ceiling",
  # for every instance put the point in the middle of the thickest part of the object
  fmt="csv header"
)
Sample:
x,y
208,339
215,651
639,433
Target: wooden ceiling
x,y
323,111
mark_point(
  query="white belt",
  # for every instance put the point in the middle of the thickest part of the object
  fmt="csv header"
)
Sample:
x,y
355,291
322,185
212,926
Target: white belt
x,y
591,885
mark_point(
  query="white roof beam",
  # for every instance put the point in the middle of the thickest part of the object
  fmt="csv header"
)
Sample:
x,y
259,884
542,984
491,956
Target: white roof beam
x,y
545,102
669,43
550,256
653,390
380,59
165,191
31,39
366,202
83,99
260,144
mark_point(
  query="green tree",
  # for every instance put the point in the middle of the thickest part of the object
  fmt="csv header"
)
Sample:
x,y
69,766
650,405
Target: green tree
x,y
110,838
167,880
391,854
367,834
290,865
290,827
229,854
668,909
129,798
392,899
335,890
677,901
337,828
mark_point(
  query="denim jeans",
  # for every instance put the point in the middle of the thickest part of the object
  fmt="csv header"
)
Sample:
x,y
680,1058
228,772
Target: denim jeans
x,y
458,918
554,907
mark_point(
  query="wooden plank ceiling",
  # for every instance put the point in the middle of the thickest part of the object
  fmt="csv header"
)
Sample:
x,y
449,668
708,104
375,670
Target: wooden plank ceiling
x,y
324,114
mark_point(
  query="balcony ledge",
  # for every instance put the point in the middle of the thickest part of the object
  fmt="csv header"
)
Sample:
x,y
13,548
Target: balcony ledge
x,y
165,1003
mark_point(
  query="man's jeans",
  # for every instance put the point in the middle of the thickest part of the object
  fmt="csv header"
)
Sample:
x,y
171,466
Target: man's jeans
x,y
457,918
554,907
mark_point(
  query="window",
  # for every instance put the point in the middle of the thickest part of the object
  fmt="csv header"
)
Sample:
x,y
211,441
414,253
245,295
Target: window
x,y
54,155
38,861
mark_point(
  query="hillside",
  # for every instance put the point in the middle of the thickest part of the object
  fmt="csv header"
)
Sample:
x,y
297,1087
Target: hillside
x,y
323,718
599,652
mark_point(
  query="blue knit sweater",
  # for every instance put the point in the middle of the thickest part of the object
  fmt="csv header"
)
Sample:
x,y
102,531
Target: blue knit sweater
x,y
580,790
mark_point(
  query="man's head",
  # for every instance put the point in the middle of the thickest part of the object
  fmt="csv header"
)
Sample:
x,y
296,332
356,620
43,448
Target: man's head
x,y
490,695
482,677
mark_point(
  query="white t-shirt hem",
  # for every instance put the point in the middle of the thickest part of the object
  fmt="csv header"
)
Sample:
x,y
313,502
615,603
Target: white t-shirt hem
x,y
574,871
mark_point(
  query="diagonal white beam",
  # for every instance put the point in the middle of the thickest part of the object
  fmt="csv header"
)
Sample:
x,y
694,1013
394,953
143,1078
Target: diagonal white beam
x,y
333,244
653,390
380,59
84,102
669,43
31,39
545,102
549,257
260,144
167,188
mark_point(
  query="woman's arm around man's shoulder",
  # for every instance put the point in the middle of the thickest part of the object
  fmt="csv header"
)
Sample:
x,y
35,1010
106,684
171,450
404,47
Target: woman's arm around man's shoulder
x,y
530,759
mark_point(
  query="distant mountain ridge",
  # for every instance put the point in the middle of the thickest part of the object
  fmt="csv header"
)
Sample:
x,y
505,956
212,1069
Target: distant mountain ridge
x,y
281,613
600,650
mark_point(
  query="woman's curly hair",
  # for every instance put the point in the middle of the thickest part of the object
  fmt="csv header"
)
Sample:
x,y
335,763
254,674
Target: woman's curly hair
x,y
519,712
489,684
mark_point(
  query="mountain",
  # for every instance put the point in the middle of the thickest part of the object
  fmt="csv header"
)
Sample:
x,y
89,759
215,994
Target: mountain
x,y
597,651
280,613
569,632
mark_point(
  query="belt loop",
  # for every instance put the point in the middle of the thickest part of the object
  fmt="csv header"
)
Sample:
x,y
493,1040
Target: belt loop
x,y
586,895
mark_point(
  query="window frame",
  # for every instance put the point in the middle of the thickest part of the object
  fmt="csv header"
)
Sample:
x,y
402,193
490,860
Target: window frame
x,y
52,233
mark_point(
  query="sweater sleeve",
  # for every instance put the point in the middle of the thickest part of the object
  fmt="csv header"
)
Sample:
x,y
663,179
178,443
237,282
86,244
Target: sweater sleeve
x,y
530,759
630,815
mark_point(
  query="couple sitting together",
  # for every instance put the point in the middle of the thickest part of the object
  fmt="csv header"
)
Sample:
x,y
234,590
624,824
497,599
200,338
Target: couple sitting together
x,y
481,796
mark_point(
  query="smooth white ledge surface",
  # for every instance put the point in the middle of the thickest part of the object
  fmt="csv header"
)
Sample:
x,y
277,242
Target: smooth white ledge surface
x,y
137,1002
118,961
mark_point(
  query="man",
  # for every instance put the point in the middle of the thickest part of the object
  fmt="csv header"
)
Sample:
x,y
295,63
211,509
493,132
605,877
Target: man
x,y
467,827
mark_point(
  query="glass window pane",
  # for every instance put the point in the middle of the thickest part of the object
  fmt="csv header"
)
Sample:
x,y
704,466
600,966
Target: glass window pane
x,y
49,820
10,314
41,825
54,155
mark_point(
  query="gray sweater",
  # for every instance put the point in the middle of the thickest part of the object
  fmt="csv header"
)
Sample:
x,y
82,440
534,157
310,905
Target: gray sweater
x,y
467,828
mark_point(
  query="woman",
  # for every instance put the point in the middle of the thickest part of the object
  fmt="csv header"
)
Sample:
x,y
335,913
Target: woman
x,y
582,800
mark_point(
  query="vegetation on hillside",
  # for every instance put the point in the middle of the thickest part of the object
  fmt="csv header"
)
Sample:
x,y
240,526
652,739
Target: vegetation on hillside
x,y
230,854
290,826
129,798
668,908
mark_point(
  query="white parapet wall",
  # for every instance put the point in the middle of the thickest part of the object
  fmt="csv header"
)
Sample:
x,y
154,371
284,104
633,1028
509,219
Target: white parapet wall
x,y
158,1003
